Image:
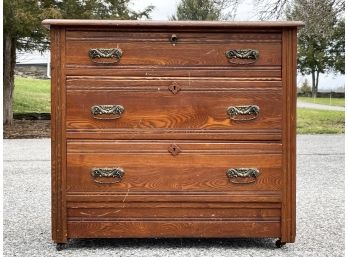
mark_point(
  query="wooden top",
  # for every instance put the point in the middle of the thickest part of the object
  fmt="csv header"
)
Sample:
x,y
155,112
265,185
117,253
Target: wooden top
x,y
151,23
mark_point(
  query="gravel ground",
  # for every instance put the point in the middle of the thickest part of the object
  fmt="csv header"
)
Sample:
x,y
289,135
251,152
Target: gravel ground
x,y
320,210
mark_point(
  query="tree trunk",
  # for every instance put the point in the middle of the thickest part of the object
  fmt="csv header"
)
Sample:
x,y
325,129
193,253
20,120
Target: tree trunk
x,y
9,62
314,85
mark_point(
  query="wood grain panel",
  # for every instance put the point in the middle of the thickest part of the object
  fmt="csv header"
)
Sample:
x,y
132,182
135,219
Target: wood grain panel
x,y
198,170
136,211
176,196
164,37
166,54
155,107
155,84
139,229
265,73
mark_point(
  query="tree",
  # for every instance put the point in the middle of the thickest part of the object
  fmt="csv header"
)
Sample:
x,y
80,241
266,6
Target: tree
x,y
205,10
306,88
275,9
23,30
320,41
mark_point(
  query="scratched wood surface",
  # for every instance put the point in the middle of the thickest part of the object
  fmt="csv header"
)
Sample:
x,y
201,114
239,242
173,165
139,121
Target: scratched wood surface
x,y
150,211
189,194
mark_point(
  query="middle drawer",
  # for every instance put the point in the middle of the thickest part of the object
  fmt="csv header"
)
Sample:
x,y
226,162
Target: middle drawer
x,y
226,109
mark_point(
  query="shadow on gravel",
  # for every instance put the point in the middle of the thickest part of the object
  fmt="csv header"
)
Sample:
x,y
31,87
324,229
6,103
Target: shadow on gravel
x,y
160,243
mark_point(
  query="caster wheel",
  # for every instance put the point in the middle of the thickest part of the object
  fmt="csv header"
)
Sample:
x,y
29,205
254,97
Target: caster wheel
x,y
279,243
60,246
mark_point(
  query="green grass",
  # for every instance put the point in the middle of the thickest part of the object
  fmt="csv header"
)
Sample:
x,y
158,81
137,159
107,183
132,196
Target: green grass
x,y
311,121
31,95
334,101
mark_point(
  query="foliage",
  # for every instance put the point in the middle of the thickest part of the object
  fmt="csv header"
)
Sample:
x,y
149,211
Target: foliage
x,y
205,10
275,9
321,41
306,88
23,30
310,121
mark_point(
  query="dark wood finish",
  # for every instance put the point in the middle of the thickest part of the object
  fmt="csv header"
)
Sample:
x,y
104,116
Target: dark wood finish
x,y
171,142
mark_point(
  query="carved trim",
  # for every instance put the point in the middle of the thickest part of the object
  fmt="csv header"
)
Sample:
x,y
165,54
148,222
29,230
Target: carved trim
x,y
103,112
242,175
246,112
242,56
114,54
115,173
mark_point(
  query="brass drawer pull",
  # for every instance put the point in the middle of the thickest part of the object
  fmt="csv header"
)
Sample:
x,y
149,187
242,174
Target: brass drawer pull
x,y
107,112
109,55
115,173
243,112
242,56
242,175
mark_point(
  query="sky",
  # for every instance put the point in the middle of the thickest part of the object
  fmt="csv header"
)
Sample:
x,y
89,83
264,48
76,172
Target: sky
x,y
246,11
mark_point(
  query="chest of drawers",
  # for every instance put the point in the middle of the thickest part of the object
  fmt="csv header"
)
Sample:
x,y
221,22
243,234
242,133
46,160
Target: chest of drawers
x,y
173,129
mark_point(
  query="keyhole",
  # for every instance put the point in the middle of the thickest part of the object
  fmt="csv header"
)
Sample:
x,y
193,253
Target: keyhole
x,y
174,39
174,87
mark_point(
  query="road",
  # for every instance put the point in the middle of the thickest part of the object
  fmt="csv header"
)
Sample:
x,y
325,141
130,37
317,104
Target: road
x,y
320,210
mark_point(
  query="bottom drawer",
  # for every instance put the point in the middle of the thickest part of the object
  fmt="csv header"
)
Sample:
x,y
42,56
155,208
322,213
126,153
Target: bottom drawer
x,y
92,220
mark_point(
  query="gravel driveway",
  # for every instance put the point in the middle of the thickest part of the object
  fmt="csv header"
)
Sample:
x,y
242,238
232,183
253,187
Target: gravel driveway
x,y
320,210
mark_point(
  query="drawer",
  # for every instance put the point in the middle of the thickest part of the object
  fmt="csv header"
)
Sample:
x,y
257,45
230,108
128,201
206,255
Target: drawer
x,y
165,107
172,48
137,168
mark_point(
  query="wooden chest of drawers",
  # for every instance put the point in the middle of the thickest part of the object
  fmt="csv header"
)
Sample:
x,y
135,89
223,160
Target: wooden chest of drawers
x,y
173,129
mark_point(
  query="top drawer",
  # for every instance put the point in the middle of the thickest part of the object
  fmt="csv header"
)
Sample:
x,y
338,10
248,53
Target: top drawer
x,y
172,48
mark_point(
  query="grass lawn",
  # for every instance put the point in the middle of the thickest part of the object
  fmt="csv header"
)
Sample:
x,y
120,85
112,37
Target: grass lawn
x,y
334,101
32,95
312,121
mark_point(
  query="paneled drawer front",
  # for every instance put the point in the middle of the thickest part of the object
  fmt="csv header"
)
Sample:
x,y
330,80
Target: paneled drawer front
x,y
132,167
174,106
122,49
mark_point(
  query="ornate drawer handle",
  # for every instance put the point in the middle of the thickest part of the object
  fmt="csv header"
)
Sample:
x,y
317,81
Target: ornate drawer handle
x,y
115,173
113,54
242,175
245,112
107,112
242,56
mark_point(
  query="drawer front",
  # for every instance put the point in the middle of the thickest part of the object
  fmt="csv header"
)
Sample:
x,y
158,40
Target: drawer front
x,y
122,49
166,167
173,106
